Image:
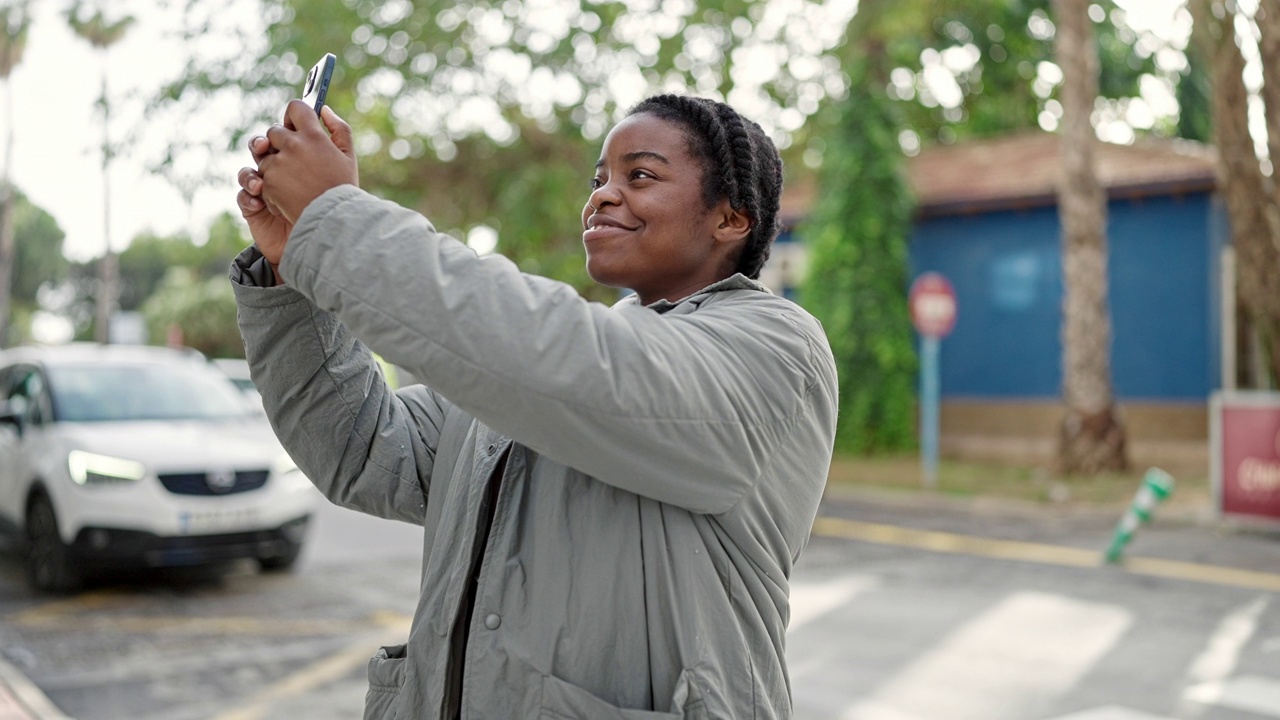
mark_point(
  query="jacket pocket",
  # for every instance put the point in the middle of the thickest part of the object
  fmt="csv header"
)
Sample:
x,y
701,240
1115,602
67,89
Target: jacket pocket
x,y
564,701
386,676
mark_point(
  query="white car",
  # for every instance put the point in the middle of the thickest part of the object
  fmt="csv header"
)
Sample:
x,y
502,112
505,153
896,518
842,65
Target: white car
x,y
140,456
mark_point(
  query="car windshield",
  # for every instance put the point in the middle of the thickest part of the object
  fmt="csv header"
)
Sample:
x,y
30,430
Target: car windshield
x,y
142,391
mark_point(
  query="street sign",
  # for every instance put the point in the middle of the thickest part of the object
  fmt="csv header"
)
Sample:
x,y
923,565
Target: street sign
x,y
1244,430
933,305
933,311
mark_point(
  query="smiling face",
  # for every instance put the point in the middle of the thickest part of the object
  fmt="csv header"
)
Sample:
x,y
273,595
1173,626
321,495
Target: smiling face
x,y
646,226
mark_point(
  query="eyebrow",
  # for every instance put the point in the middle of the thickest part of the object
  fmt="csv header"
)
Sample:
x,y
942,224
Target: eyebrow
x,y
639,155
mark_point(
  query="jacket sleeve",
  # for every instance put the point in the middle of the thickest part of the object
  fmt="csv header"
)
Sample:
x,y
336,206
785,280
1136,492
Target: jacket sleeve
x,y
365,447
687,409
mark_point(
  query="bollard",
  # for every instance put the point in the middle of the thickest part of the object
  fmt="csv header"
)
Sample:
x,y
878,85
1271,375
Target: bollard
x,y
1156,486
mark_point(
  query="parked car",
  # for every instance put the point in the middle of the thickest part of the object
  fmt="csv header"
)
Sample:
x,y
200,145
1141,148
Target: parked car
x,y
139,456
238,370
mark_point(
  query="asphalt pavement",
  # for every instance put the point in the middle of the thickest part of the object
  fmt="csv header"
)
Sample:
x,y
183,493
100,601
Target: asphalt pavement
x,y
1189,543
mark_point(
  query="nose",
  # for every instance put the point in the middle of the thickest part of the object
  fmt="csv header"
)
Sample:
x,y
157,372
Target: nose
x,y
606,194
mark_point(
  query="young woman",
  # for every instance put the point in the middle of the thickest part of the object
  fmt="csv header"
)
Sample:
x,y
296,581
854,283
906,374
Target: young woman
x,y
612,498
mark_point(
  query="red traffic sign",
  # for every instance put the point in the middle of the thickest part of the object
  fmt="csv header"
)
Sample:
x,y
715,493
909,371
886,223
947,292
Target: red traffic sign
x,y
933,305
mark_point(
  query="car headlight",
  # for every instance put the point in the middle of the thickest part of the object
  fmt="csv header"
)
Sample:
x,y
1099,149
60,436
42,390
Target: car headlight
x,y
87,468
287,471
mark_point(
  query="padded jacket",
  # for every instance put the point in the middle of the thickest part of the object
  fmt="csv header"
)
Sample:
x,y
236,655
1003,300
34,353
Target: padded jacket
x,y
648,475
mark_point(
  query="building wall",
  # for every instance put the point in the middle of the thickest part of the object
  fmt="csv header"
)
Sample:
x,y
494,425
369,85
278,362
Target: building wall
x,y
1007,272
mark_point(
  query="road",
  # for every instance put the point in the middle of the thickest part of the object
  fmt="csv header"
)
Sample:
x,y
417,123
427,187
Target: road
x,y
902,610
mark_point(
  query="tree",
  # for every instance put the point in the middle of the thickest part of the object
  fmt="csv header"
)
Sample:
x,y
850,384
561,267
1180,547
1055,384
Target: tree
x,y
1251,206
92,25
857,240
203,311
15,16
491,111
1091,438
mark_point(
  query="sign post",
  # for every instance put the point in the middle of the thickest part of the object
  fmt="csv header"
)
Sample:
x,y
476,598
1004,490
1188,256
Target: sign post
x,y
933,312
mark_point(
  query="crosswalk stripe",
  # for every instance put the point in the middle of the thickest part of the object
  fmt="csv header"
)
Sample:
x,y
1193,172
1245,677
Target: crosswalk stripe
x,y
1003,665
1246,692
1112,712
811,600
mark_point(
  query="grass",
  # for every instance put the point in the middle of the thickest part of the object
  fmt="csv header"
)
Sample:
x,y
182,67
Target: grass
x,y
1011,481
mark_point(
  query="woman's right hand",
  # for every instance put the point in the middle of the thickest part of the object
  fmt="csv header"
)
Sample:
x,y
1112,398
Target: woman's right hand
x,y
268,227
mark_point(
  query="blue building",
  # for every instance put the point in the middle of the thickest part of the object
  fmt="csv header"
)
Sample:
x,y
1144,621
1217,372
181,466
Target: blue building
x,y
987,220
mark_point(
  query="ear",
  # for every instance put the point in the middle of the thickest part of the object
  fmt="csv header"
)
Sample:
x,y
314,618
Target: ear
x,y
734,225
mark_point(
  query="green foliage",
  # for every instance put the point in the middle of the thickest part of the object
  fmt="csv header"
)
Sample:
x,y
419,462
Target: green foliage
x,y
858,264
491,111
149,257
38,257
1007,48
204,310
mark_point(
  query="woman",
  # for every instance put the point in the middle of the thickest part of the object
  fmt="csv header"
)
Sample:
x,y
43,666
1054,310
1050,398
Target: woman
x,y
612,498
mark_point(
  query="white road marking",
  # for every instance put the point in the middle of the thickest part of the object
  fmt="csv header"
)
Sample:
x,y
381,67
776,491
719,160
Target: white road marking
x,y
1220,656
1006,664
1207,677
810,600
1112,712
1247,692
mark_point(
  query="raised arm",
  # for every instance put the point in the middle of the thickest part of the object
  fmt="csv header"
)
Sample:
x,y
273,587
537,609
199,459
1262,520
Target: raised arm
x,y
687,409
365,447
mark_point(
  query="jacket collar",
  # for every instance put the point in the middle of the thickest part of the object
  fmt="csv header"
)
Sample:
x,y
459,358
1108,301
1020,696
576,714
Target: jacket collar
x,y
737,281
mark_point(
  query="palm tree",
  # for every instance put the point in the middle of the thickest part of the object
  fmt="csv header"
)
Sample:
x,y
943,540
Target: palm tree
x,y
16,19
1092,438
92,25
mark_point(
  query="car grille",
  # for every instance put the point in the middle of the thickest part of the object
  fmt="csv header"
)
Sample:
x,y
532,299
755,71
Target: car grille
x,y
197,483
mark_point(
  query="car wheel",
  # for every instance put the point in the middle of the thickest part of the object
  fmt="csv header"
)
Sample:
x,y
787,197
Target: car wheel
x,y
50,566
284,561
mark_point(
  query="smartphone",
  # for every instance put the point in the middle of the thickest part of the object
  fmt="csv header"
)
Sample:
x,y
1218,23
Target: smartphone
x,y
316,88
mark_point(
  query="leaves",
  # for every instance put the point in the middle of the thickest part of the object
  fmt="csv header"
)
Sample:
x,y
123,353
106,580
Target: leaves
x,y
857,240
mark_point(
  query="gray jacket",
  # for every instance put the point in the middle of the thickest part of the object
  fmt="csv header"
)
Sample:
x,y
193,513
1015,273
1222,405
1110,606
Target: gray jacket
x,y
659,467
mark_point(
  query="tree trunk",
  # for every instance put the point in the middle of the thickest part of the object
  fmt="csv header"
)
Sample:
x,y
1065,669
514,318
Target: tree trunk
x,y
8,250
108,272
1250,202
1092,438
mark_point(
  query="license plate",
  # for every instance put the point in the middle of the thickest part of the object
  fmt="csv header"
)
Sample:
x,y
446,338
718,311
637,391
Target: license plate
x,y
207,521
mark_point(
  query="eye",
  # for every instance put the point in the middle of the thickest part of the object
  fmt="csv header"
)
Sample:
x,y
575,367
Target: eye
x,y
597,182
640,174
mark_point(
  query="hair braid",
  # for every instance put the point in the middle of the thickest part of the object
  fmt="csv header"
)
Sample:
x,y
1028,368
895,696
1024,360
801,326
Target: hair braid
x,y
739,162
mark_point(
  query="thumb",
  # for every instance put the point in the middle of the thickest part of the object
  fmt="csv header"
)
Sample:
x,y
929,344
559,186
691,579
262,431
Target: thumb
x,y
339,130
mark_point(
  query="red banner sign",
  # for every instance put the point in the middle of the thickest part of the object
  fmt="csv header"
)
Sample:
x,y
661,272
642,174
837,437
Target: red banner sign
x,y
1245,435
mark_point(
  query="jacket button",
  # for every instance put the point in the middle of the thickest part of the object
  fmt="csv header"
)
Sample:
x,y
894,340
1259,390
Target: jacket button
x,y
491,449
492,621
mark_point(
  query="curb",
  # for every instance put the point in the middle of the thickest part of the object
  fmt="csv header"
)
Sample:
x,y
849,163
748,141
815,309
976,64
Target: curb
x,y
20,699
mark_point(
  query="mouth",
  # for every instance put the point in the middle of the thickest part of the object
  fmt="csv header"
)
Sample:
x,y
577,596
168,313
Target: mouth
x,y
598,226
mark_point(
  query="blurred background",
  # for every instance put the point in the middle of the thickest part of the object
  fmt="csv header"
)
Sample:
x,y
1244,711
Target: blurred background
x,y
1092,180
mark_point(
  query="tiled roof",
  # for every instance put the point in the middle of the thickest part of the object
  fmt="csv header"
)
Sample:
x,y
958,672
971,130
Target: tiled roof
x,y
1022,170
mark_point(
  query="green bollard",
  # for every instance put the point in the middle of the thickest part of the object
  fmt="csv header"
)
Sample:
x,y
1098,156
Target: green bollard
x,y
1156,486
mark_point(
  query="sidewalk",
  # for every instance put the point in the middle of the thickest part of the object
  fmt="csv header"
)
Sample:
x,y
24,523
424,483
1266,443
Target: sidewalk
x,y
20,699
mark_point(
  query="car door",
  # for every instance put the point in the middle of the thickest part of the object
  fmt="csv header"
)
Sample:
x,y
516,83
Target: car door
x,y
10,445
23,389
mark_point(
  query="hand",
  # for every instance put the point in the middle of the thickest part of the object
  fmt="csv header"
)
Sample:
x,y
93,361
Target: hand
x,y
297,162
309,158
270,231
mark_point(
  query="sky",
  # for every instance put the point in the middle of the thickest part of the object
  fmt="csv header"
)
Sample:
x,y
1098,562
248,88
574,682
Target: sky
x,y
58,133
57,160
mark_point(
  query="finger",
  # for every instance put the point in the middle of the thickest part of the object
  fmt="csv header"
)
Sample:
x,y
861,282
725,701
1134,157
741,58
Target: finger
x,y
279,136
249,205
250,181
339,130
259,147
302,117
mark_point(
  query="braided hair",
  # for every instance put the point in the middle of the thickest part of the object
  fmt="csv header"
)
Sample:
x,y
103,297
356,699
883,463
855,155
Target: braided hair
x,y
739,162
